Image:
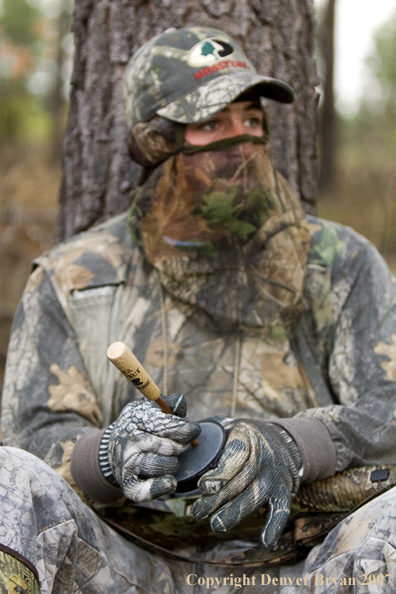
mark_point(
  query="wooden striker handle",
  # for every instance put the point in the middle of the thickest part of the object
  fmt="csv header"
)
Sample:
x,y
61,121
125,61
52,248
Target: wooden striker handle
x,y
123,358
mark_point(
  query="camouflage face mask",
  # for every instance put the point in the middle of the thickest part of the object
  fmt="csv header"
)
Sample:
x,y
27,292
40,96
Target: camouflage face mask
x,y
227,235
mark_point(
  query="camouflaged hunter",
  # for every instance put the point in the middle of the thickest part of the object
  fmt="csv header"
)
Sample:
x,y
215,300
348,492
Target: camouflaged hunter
x,y
279,325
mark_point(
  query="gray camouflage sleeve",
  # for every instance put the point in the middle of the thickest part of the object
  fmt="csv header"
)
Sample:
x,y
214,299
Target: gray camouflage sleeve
x,y
48,403
352,333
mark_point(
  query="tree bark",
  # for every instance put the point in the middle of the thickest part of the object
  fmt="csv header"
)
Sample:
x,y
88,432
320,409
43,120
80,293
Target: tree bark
x,y
57,101
328,117
98,175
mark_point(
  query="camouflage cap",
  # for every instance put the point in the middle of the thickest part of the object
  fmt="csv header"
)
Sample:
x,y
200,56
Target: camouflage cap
x,y
187,75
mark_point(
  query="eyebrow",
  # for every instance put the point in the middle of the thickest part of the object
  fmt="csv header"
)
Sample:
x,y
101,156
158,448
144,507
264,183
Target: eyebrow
x,y
254,105
251,105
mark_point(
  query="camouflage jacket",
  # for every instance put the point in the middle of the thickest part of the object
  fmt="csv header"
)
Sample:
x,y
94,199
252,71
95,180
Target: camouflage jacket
x,y
339,368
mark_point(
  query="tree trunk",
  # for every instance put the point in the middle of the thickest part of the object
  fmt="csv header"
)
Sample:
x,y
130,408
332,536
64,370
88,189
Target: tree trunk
x,y
57,102
98,175
328,118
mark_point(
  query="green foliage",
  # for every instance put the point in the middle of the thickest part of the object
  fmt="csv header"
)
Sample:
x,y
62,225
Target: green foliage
x,y
219,210
371,133
382,61
241,229
208,249
17,105
17,21
329,245
31,69
262,201
22,115
219,206
12,114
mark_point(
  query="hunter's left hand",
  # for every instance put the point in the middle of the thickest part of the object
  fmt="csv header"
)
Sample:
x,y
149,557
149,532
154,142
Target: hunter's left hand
x,y
258,467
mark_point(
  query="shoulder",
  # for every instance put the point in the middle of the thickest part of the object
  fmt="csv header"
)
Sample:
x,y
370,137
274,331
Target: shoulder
x,y
342,263
336,246
97,257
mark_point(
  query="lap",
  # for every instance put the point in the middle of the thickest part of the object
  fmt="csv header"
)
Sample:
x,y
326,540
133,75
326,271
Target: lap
x,y
45,521
356,555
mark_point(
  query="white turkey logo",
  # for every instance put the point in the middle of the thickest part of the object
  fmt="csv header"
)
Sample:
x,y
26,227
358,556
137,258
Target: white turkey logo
x,y
208,52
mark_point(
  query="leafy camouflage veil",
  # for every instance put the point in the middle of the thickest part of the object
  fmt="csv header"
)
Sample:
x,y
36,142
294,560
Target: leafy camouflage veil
x,y
225,231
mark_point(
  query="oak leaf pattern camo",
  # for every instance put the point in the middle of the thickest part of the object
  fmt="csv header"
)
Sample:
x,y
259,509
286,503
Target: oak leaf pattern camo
x,y
349,299
71,393
389,350
259,467
145,444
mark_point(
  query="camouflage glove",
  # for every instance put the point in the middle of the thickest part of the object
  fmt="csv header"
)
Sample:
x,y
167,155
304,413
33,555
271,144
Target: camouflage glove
x,y
258,466
143,446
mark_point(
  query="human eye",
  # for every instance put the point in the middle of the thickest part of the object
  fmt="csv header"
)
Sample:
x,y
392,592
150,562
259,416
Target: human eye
x,y
210,125
255,122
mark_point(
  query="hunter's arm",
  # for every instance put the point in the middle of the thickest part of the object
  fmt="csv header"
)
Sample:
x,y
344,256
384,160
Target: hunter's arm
x,y
352,331
48,401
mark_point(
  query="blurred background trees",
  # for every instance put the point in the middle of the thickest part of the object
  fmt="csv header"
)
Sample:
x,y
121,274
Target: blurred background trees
x,y
35,44
36,51
36,47
358,181
325,33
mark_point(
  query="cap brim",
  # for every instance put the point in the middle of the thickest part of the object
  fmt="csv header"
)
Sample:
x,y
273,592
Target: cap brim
x,y
209,98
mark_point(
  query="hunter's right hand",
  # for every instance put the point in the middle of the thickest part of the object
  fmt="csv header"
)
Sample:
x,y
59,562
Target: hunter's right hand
x,y
143,446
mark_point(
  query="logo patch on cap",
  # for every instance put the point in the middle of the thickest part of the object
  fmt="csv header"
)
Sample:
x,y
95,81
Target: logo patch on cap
x,y
208,52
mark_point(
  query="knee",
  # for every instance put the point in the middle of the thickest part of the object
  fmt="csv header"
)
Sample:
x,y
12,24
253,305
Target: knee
x,y
30,487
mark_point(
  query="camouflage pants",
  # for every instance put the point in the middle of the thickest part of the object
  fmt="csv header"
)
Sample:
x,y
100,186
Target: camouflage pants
x,y
43,520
